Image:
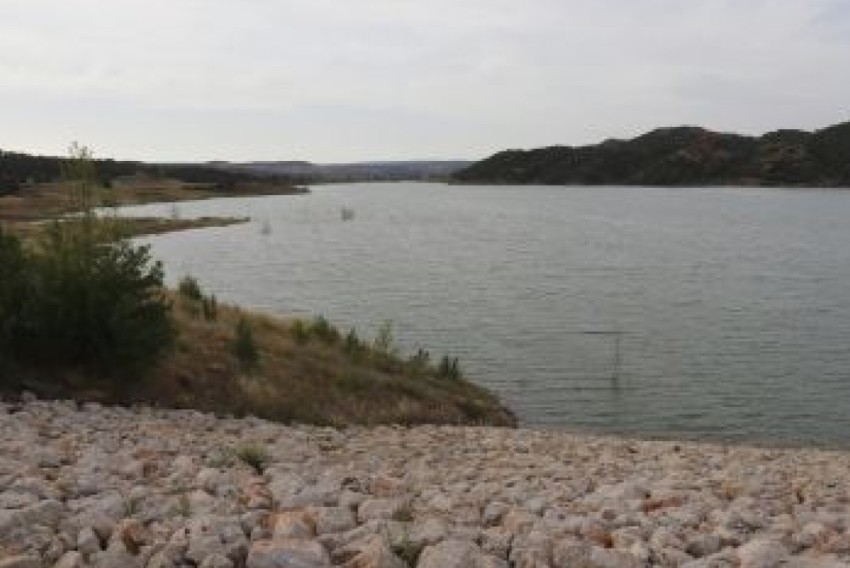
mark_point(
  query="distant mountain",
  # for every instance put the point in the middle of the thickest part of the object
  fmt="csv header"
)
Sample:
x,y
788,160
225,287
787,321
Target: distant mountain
x,y
358,171
680,156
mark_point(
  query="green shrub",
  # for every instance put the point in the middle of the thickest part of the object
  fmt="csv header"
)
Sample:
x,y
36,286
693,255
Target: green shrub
x,y
353,345
85,297
384,342
198,302
255,456
209,307
15,288
95,305
245,346
299,332
449,368
322,329
419,362
408,551
190,289
78,302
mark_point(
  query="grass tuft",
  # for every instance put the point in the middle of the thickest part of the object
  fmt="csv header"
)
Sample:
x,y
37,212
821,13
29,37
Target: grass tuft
x,y
323,330
384,341
300,331
245,346
209,307
255,456
449,368
190,288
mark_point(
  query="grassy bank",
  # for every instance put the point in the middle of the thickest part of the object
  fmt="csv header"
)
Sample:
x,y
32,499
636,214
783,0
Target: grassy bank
x,y
309,371
303,371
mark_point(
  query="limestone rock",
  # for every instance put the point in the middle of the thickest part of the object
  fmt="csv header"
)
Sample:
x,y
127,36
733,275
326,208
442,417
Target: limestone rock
x,y
293,524
288,553
71,559
87,541
332,519
456,554
217,560
427,532
762,553
20,561
380,509
375,554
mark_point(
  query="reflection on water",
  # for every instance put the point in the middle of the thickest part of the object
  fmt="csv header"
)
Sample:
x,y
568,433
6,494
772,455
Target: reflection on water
x,y
733,304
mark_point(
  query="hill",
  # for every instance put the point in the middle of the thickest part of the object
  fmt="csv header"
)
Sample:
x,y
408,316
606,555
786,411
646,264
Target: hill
x,y
680,156
357,171
19,170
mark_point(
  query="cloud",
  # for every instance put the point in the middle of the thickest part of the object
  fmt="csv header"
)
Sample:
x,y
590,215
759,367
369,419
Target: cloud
x,y
338,80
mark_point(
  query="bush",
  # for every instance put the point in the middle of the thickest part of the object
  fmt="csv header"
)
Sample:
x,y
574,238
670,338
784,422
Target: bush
x,y
97,307
100,306
324,330
353,346
300,332
209,307
254,455
197,302
190,289
449,368
85,298
245,346
420,362
14,293
384,342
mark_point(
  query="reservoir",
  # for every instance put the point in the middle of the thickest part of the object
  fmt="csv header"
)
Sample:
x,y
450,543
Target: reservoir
x,y
718,313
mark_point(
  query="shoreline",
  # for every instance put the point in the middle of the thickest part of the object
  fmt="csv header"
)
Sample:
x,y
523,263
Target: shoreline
x,y
141,486
756,443
23,212
20,397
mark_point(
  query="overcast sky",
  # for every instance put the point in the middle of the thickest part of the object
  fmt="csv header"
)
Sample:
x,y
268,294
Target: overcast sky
x,y
345,80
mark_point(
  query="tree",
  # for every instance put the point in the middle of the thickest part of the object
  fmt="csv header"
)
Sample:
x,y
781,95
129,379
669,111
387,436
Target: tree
x,y
85,297
14,294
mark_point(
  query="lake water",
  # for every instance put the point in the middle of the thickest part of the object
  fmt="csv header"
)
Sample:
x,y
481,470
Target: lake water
x,y
733,304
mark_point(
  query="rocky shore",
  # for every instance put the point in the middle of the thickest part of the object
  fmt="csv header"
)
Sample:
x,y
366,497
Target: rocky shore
x,y
116,487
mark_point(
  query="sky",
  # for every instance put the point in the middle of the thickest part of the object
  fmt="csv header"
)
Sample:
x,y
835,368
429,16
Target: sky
x,y
351,80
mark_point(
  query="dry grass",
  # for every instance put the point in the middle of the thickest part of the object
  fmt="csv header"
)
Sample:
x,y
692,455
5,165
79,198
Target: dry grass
x,y
306,382
30,232
49,200
22,213
314,382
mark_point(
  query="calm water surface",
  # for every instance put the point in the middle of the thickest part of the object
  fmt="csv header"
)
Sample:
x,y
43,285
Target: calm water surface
x,y
734,304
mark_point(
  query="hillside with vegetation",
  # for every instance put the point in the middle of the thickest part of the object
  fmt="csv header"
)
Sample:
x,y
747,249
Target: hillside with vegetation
x,y
20,171
308,172
681,156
